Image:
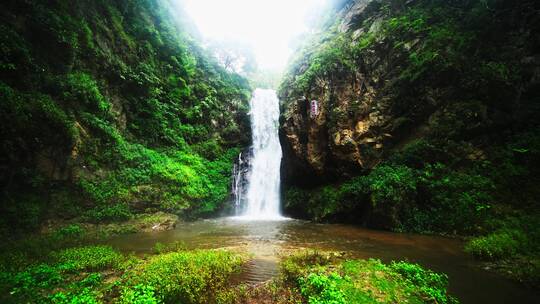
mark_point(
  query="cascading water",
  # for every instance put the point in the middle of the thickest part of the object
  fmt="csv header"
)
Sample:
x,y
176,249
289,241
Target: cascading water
x,y
239,181
236,182
262,200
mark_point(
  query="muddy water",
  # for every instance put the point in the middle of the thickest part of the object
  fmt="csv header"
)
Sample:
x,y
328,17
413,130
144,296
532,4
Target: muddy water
x,y
265,240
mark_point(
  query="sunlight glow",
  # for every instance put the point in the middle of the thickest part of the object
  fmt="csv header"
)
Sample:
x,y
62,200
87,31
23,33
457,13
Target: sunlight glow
x,y
267,26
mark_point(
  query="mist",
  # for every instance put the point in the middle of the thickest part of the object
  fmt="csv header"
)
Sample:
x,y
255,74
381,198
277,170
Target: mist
x,y
268,28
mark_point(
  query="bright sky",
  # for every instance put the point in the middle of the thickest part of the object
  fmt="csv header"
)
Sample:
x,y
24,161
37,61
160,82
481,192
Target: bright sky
x,y
267,26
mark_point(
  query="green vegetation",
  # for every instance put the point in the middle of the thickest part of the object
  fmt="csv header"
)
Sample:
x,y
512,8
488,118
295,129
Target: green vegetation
x,y
61,269
432,199
86,258
511,247
110,109
185,277
99,274
430,38
322,278
499,244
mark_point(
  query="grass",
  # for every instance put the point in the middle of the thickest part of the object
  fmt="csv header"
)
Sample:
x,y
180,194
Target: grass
x,y
63,276
321,278
88,228
98,274
371,281
182,277
499,244
88,258
512,249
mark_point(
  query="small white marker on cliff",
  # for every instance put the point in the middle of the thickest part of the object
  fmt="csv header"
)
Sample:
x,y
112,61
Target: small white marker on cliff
x,y
314,108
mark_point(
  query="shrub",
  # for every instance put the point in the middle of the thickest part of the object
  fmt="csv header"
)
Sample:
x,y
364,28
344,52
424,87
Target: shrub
x,y
82,88
89,258
452,200
139,294
503,243
297,264
322,288
431,285
114,213
185,277
392,185
71,231
27,284
160,248
85,296
324,279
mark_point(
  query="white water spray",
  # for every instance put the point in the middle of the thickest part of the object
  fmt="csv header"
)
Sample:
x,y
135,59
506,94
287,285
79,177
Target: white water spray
x,y
263,197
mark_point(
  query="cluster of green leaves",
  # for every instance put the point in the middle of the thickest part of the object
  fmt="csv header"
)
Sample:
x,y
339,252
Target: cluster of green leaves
x,y
108,213
503,243
511,245
57,279
168,180
322,288
89,258
80,88
430,284
139,294
298,264
330,57
321,278
71,231
507,237
32,122
160,248
186,276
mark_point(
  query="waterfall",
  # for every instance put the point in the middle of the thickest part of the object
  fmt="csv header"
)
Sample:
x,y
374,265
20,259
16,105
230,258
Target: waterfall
x,y
262,199
237,178
239,181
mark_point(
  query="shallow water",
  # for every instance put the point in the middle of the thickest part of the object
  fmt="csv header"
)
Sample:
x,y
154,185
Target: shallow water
x,y
265,240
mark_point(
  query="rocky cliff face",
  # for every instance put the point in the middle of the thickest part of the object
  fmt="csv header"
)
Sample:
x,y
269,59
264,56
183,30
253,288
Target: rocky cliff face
x,y
389,72
410,93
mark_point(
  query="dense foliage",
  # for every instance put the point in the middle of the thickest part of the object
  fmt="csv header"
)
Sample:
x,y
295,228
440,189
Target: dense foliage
x,y
110,108
99,274
182,277
321,278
